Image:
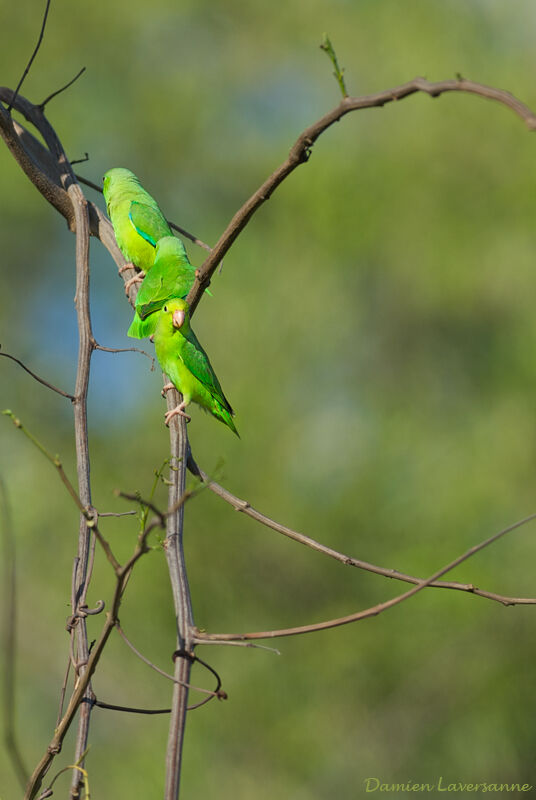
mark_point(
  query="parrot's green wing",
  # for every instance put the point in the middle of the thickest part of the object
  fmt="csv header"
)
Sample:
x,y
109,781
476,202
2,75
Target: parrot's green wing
x,y
154,293
153,297
148,222
196,360
171,276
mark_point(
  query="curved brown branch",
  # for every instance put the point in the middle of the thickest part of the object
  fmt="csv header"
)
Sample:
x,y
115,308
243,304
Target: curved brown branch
x,y
245,508
374,611
301,150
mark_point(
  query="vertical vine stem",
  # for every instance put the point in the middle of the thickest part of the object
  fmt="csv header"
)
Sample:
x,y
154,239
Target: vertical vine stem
x,y
181,598
85,350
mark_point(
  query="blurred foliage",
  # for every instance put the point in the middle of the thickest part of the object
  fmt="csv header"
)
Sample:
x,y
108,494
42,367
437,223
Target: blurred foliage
x,y
374,329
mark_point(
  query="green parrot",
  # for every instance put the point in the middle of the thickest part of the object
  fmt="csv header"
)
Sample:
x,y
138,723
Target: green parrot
x,y
171,275
185,362
136,218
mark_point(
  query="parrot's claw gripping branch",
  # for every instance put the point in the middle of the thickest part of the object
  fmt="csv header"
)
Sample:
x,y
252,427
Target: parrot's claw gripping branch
x,y
178,411
136,279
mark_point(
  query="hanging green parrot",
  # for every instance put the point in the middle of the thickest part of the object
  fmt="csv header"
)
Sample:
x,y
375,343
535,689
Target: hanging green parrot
x,y
136,218
186,364
171,275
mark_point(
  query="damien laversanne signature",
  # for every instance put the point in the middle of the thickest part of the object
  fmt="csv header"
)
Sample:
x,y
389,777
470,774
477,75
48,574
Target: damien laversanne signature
x,y
443,785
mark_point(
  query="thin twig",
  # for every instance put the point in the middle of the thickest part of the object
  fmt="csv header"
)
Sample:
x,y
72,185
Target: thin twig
x,y
62,692
369,612
59,91
55,460
194,239
30,62
97,346
117,513
327,47
80,160
237,644
131,709
157,669
245,508
85,779
89,183
136,498
36,377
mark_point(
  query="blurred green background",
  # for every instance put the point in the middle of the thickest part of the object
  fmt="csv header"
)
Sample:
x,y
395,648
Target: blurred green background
x,y
374,328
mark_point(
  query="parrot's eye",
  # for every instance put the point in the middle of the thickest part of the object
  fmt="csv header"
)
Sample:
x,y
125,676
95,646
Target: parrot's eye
x,y
165,309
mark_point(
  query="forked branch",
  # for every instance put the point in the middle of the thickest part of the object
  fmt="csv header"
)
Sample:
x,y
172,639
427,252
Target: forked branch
x,y
245,508
374,611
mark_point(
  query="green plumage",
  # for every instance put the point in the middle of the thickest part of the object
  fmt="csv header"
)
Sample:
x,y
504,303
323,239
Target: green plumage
x,y
186,364
136,218
171,275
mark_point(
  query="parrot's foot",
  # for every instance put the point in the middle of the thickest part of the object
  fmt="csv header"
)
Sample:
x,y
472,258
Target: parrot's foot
x,y
178,411
197,273
166,389
136,279
124,268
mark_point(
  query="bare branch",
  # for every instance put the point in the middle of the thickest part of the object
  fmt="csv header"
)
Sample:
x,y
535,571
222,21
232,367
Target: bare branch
x,y
130,709
97,346
82,160
245,508
89,183
59,91
37,378
79,695
301,150
30,62
369,612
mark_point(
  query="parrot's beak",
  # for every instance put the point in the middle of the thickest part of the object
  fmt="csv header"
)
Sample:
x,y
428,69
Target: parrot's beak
x,y
178,318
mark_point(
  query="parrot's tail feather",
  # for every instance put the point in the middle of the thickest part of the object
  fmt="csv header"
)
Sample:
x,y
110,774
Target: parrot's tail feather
x,y
141,329
224,416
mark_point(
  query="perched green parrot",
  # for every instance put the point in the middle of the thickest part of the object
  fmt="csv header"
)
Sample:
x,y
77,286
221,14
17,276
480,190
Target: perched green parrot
x,y
186,364
171,275
136,218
